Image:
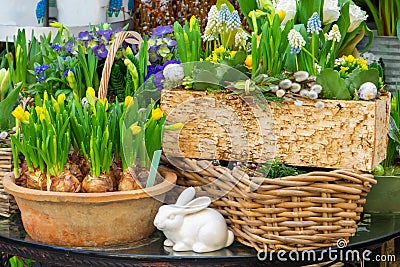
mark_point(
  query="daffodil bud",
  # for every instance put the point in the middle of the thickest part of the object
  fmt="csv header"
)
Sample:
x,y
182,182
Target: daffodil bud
x,y
128,101
174,127
21,115
156,114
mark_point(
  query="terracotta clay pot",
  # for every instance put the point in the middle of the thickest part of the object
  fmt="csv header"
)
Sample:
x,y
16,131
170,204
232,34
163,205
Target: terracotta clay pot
x,y
89,219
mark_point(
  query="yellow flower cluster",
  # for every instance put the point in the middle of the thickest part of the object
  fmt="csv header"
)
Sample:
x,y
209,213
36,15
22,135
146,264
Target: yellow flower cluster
x,y
346,64
219,54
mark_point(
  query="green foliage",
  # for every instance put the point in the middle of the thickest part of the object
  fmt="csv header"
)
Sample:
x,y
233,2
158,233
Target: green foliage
x,y
333,86
188,40
117,82
275,169
386,14
6,107
246,6
273,45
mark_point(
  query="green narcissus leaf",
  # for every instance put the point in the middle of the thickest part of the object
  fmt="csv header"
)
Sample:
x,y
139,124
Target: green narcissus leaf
x,y
6,107
358,77
333,87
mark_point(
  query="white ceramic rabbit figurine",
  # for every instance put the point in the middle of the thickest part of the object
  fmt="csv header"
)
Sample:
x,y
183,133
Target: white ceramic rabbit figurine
x,y
190,225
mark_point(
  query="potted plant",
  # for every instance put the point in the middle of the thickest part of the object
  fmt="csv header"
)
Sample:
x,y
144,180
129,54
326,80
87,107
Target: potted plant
x,y
76,189
386,44
299,65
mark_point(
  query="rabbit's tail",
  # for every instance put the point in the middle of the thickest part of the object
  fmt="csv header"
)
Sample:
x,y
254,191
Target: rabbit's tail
x,y
230,238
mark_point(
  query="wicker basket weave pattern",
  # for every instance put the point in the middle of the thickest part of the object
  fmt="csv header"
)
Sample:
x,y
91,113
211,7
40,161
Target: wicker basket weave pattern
x,y
8,206
302,212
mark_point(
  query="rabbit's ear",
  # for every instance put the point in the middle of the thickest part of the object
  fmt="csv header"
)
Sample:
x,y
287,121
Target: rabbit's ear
x,y
196,205
186,196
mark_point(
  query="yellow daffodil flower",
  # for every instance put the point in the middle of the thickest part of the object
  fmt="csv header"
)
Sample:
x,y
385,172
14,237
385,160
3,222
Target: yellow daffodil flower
x,y
156,114
61,98
282,15
21,115
128,101
104,102
90,91
249,62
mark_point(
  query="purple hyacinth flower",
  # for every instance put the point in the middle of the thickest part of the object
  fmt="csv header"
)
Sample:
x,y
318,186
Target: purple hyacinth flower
x,y
56,47
85,36
106,34
68,47
100,51
162,30
158,78
40,79
65,72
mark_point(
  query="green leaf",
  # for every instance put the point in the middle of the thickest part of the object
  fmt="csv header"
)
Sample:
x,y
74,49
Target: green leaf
x,y
7,106
333,87
246,6
226,2
358,77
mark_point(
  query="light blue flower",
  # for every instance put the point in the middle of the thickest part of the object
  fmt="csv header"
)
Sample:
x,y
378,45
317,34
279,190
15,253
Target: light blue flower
x,y
224,13
234,21
314,23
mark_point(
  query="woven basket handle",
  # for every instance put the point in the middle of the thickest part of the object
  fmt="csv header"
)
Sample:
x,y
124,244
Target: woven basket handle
x,y
130,37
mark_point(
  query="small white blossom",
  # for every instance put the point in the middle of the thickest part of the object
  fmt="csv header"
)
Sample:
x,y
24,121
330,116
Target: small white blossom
x,y
301,76
334,34
295,88
316,88
318,67
312,95
304,93
331,11
280,93
3,135
224,13
357,15
274,88
340,61
296,41
368,91
285,84
320,105
241,38
370,58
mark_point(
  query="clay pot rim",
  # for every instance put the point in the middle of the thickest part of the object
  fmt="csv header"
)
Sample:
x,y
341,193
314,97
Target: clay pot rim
x,y
38,195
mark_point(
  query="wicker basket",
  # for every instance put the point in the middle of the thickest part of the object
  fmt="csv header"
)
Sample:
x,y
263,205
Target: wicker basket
x,y
302,212
8,206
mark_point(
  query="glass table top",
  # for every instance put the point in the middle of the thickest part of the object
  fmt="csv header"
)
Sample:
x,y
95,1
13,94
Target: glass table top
x,y
372,229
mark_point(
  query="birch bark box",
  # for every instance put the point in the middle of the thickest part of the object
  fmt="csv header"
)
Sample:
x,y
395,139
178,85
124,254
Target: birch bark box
x,y
343,134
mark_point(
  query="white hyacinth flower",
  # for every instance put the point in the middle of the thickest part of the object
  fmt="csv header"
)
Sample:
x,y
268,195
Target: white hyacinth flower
x,y
368,91
296,41
241,38
334,34
234,21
